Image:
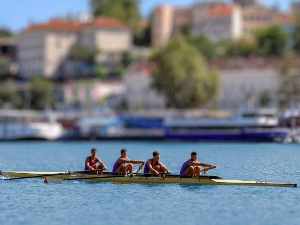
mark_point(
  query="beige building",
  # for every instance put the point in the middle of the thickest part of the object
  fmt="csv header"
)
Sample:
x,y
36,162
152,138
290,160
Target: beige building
x,y
162,25
295,8
43,48
256,17
218,22
246,3
111,37
139,93
244,81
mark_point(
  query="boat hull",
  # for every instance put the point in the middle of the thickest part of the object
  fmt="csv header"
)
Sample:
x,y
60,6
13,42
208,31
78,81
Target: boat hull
x,y
140,179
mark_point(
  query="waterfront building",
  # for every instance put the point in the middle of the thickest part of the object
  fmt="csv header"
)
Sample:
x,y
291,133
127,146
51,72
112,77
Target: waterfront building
x,y
43,48
295,8
109,36
139,93
246,3
220,22
87,94
244,82
256,17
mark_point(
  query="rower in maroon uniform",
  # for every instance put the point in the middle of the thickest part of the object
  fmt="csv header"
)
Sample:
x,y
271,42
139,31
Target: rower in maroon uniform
x,y
191,168
155,166
91,163
121,169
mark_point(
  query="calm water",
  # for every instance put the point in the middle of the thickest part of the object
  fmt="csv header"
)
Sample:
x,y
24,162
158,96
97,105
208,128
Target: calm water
x,y
79,203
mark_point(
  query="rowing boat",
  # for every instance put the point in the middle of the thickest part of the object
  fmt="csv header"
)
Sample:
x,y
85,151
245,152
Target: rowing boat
x,y
138,178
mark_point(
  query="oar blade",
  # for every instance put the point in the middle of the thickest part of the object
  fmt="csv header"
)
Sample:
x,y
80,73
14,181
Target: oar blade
x,y
53,180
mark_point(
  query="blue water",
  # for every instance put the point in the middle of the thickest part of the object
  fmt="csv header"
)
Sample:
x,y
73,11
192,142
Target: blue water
x,y
78,203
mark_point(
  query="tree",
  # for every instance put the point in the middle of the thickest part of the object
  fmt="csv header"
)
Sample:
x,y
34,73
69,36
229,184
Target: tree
x,y
289,83
264,99
182,77
9,95
4,32
125,10
240,48
41,93
203,45
296,37
271,41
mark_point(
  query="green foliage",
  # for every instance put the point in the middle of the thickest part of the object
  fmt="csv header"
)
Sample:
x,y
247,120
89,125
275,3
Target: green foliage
x,y
41,93
182,77
289,80
240,48
296,37
4,32
264,99
127,59
271,41
186,30
9,95
125,10
84,54
101,71
142,37
203,45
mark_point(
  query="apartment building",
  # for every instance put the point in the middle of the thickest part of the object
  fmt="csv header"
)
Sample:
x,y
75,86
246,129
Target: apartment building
x,y
295,8
109,36
43,48
220,22
246,3
256,17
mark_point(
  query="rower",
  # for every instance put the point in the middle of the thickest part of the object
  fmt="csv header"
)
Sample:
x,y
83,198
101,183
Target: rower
x,y
155,166
91,163
120,168
191,168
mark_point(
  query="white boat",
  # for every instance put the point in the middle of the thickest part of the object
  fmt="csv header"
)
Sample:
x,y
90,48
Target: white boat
x,y
28,125
260,125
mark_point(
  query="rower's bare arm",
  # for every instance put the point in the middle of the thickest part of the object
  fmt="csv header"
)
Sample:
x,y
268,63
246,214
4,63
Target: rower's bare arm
x,y
103,165
164,167
203,165
151,168
136,162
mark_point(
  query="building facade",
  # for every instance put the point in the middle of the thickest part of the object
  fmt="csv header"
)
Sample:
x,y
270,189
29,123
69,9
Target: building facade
x,y
221,22
139,93
244,82
246,3
295,8
44,48
256,17
162,25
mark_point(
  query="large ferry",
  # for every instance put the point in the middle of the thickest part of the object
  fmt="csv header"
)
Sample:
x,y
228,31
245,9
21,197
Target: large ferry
x,y
260,126
28,125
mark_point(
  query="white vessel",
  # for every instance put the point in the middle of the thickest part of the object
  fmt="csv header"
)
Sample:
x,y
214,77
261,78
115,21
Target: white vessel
x,y
28,125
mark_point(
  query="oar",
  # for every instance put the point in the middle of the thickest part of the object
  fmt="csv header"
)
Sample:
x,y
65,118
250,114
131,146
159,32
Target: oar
x,y
59,180
51,175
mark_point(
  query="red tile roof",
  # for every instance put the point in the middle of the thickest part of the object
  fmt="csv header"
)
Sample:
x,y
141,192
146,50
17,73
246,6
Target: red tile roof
x,y
220,11
54,25
75,26
103,22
